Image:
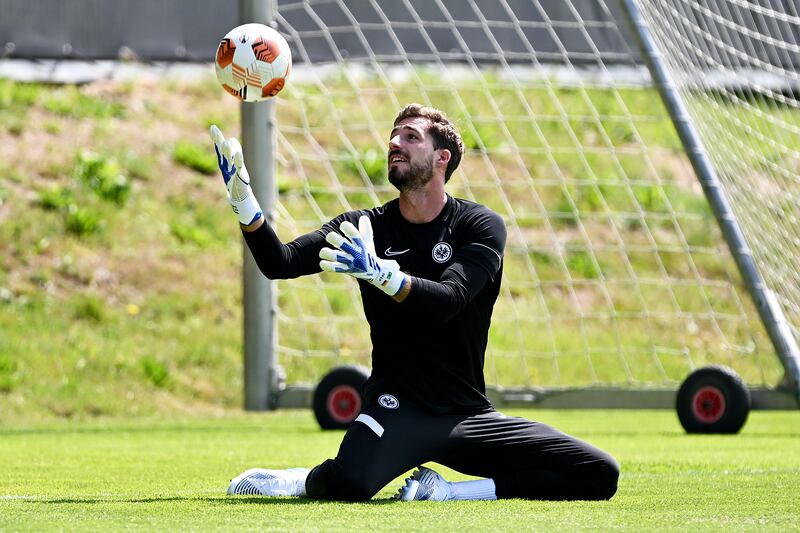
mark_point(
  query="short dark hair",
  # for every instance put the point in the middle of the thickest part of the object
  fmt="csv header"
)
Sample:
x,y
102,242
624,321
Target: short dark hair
x,y
442,131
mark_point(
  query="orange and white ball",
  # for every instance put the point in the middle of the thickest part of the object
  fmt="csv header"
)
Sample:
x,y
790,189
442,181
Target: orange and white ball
x,y
253,62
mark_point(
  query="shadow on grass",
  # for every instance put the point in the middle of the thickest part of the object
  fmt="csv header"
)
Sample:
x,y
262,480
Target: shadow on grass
x,y
177,428
296,501
223,500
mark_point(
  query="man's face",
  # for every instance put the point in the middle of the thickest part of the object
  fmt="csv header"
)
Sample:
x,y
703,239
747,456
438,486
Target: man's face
x,y
411,154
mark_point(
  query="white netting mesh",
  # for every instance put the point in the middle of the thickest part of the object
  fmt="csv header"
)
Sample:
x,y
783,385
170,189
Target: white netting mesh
x,y
737,66
615,271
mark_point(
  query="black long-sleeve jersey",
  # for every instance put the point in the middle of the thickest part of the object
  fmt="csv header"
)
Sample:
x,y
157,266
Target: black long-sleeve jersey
x,y
431,346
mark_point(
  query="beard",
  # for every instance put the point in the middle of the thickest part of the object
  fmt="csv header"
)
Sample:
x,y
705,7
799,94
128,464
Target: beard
x,y
415,176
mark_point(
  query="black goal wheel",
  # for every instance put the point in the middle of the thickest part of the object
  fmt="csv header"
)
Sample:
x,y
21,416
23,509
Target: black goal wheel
x,y
337,398
713,399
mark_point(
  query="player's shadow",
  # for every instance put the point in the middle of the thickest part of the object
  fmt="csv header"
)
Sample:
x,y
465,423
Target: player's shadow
x,y
255,500
221,500
155,499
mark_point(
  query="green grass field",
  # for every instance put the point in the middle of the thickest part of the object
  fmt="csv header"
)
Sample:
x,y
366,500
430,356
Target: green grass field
x,y
172,476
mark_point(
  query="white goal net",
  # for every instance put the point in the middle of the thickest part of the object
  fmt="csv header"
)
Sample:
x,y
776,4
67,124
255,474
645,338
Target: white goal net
x,y
615,271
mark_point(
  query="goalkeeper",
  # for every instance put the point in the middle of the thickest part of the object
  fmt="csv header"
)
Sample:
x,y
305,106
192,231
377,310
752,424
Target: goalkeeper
x,y
429,268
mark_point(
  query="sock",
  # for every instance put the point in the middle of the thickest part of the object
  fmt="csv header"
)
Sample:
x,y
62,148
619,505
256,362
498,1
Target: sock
x,y
478,489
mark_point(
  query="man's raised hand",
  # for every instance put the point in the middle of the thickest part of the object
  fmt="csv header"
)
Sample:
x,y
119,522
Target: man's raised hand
x,y
230,160
354,254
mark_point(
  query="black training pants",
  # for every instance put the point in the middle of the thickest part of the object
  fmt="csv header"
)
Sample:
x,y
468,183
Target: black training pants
x,y
525,459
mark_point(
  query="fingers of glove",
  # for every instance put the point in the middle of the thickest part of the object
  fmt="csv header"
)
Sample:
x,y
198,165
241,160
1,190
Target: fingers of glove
x,y
218,139
227,150
332,266
334,239
238,160
240,185
243,177
224,161
349,230
220,162
365,229
355,246
335,255
343,244
236,150
216,134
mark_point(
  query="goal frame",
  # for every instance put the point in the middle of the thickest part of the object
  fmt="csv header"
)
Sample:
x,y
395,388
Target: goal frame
x,y
262,370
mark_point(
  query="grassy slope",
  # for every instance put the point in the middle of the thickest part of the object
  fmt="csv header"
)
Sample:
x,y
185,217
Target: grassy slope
x,y
120,281
168,476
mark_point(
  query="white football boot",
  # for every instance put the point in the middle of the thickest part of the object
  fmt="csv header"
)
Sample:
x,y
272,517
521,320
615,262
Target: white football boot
x,y
425,484
262,482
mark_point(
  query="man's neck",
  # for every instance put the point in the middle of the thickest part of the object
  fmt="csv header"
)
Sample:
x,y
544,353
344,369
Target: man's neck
x,y
423,205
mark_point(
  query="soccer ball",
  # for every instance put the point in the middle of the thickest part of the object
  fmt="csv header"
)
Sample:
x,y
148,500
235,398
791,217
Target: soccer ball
x,y
253,62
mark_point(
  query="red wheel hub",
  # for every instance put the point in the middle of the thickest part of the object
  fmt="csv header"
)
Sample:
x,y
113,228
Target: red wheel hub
x,y
708,404
344,403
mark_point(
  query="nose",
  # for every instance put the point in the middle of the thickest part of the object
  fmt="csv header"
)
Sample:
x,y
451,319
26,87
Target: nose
x,y
394,142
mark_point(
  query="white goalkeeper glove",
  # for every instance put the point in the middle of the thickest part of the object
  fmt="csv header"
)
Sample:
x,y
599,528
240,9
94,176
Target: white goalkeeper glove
x,y
237,181
355,255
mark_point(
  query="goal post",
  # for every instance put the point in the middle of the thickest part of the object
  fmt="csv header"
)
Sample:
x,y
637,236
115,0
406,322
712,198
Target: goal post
x,y
617,279
259,298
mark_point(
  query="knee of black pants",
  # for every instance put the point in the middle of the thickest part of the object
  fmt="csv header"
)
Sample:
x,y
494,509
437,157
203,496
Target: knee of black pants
x,y
329,481
593,480
600,481
607,478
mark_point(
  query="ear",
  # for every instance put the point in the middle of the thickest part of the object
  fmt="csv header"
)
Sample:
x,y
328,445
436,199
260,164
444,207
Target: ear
x,y
444,156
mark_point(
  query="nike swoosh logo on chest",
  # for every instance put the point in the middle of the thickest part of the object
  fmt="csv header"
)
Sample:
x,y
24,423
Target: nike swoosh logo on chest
x,y
389,252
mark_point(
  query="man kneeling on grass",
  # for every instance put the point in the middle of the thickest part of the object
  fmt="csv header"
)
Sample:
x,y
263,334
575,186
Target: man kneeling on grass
x,y
429,268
